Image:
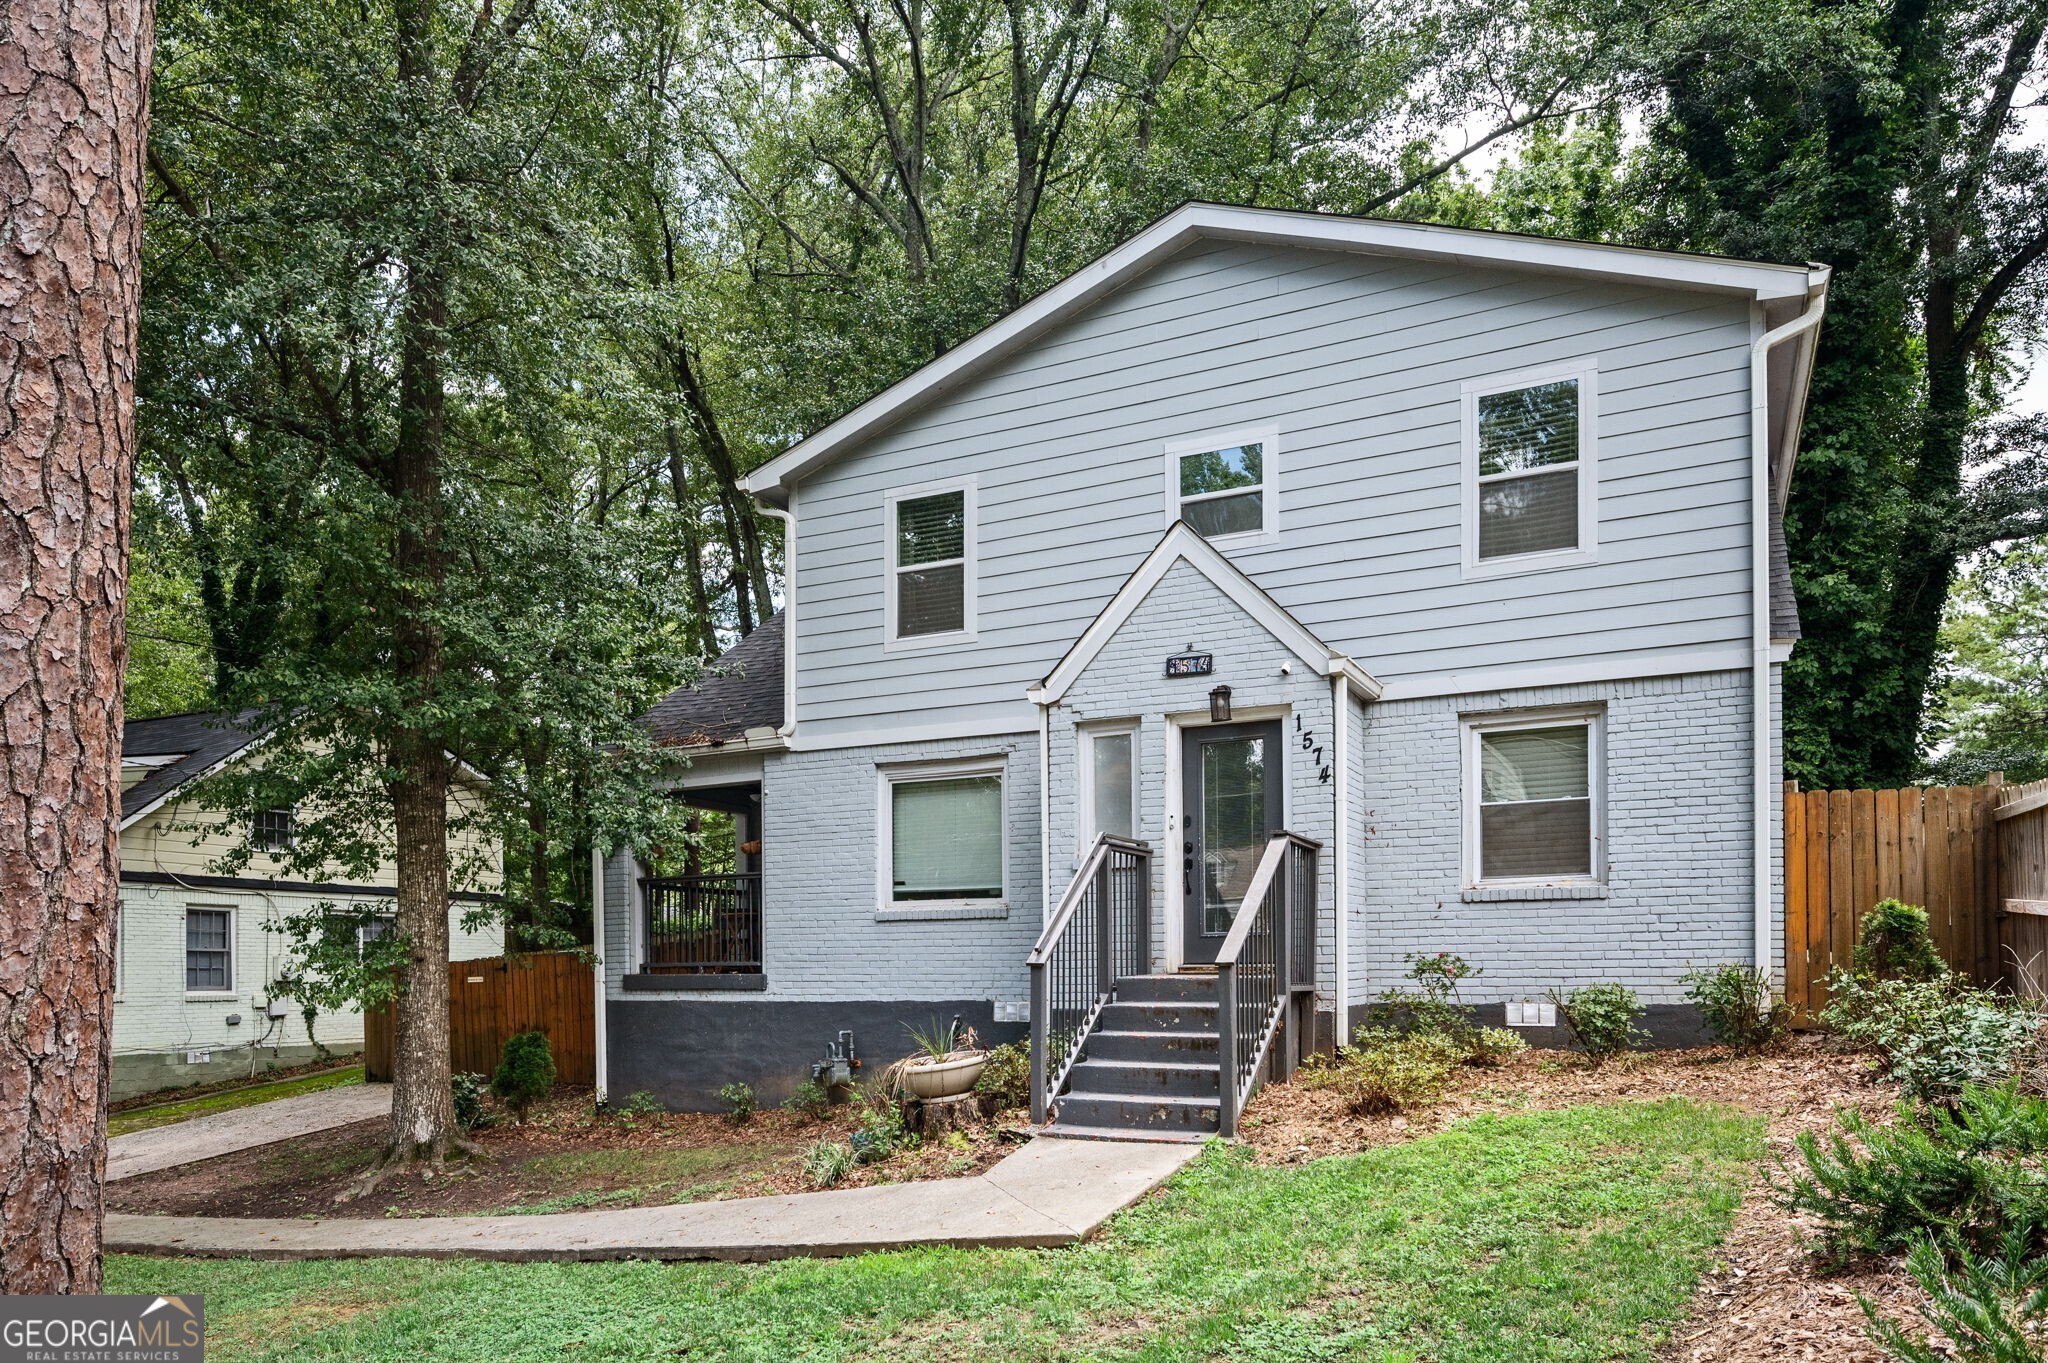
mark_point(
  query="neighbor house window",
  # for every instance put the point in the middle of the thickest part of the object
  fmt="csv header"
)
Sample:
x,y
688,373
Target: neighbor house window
x,y
944,834
381,927
1225,485
1533,799
1529,473
274,830
931,564
1112,805
209,950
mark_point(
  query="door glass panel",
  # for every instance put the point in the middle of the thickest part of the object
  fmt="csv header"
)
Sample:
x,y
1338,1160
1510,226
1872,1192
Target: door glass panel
x,y
1233,825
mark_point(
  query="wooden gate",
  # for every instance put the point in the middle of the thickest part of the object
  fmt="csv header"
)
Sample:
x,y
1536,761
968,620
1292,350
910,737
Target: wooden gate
x,y
494,998
2021,813
1845,850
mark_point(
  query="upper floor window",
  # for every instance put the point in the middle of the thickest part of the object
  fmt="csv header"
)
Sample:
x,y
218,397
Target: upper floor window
x,y
930,592
1533,784
273,830
1225,485
1529,470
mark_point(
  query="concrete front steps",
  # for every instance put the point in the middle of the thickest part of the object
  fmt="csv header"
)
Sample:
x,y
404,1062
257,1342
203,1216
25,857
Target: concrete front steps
x,y
1148,1070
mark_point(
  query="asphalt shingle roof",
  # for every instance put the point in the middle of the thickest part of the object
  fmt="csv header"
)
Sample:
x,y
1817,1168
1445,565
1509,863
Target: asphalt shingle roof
x,y
740,691
199,740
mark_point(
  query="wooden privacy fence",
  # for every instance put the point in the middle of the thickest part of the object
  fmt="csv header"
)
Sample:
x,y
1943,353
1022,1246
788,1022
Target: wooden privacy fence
x,y
2022,816
494,998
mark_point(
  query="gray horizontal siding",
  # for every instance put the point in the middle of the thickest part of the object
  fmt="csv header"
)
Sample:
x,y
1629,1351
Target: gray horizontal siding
x,y
1358,361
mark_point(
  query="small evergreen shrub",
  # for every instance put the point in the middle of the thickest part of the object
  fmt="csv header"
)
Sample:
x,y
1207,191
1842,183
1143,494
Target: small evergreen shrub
x,y
1491,1047
739,1103
827,1162
526,1072
1895,943
811,1099
1738,1006
1932,1036
1384,1071
468,1091
1602,1019
1991,1309
1006,1079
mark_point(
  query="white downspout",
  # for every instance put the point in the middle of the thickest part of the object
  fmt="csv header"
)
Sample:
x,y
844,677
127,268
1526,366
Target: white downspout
x,y
1760,493
1340,879
603,1074
788,518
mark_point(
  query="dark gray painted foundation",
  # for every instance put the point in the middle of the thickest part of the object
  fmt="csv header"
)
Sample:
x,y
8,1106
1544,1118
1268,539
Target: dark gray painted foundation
x,y
682,1051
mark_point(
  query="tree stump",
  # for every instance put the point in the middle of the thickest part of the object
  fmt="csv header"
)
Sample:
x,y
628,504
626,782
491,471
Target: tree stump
x,y
936,1117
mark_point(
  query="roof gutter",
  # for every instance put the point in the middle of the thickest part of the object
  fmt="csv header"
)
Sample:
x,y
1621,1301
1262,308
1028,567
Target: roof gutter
x,y
1765,795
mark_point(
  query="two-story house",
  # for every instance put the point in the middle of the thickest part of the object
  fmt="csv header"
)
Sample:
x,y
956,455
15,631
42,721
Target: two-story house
x,y
1280,595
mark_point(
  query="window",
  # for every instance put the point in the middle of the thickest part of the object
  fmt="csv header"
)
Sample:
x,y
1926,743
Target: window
x,y
1529,474
1533,799
274,830
378,928
931,565
1225,486
209,951
943,830
1112,782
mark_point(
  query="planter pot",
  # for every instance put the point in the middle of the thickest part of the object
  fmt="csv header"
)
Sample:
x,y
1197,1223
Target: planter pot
x,y
943,1078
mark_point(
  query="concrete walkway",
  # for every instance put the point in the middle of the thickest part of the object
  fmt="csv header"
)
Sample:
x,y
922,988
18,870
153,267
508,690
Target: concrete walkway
x,y
223,1133
1051,1192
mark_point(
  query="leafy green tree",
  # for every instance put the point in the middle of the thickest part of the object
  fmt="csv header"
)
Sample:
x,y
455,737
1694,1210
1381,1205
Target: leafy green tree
x,y
1990,711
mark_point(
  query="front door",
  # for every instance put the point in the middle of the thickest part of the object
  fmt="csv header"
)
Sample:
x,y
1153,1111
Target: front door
x,y
1230,808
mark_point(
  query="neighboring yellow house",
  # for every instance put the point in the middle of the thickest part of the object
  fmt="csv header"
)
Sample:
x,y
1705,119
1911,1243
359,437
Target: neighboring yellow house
x,y
195,963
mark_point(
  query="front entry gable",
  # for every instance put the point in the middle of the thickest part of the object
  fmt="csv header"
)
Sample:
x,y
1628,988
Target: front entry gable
x,y
1181,560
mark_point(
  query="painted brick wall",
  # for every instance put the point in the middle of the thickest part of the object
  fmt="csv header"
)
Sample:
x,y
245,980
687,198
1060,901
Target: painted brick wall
x,y
1126,681
1678,844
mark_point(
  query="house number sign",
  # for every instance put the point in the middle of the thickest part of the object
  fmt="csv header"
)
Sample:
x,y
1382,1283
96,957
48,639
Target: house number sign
x,y
1309,744
1191,665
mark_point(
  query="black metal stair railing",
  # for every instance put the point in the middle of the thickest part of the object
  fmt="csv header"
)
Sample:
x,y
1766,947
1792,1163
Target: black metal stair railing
x,y
1268,957
1100,933
708,925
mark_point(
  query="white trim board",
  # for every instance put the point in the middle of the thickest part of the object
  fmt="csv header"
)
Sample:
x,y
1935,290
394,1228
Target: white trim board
x,y
1274,227
1431,685
1181,544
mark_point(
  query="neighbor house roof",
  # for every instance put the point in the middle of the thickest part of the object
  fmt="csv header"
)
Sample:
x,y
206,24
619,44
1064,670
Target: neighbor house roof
x,y
182,748
1784,290
741,691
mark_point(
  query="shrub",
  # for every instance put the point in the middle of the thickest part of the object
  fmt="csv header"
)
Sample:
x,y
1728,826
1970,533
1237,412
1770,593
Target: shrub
x,y
468,1091
1006,1080
1601,1017
811,1099
1386,1071
1991,1309
1433,1005
827,1162
1894,943
1966,1176
526,1072
1492,1047
1932,1036
739,1103
881,1131
1738,1006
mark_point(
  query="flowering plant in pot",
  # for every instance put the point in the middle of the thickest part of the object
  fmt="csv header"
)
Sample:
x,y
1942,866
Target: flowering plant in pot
x,y
946,1063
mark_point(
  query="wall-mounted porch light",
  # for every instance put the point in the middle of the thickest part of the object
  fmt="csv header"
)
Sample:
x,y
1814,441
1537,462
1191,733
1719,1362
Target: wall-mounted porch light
x,y
1219,705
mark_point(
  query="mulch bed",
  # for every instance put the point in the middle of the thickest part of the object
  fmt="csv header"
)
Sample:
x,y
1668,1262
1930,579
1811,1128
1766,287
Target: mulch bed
x,y
1769,1296
564,1158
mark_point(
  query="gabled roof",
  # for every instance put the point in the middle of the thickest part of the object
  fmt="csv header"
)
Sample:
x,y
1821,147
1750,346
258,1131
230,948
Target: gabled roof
x,y
195,744
741,691
1183,544
1783,285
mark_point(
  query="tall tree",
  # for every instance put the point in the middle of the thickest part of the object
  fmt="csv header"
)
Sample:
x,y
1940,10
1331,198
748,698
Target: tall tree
x,y
74,81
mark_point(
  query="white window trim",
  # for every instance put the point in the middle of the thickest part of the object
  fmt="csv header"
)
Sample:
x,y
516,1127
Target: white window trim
x,y
1268,440
234,950
1470,729
969,566
1084,814
1587,372
887,906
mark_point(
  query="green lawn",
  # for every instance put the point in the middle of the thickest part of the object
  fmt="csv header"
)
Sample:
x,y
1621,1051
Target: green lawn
x,y
164,1114
1558,1235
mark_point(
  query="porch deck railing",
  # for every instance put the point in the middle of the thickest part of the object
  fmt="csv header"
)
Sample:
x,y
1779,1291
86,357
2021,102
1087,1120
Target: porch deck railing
x,y
1266,960
1101,931
707,925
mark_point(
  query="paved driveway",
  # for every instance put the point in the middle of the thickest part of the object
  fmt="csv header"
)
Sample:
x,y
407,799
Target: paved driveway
x,y
223,1133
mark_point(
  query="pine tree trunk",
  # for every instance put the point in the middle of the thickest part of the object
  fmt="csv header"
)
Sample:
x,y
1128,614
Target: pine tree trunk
x,y
74,82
